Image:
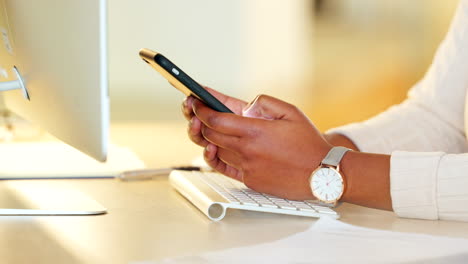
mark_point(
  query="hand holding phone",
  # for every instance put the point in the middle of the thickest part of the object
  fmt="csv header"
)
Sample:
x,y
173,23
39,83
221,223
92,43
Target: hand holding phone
x,y
181,80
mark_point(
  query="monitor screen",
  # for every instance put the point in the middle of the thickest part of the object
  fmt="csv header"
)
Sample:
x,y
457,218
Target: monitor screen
x,y
59,49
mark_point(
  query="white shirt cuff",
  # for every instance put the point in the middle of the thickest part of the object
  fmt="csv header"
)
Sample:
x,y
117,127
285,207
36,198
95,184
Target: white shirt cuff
x,y
413,184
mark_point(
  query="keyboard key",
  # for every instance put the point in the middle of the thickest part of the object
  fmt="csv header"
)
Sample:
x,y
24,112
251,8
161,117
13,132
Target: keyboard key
x,y
297,203
262,200
232,199
249,203
303,206
269,205
286,205
324,210
311,210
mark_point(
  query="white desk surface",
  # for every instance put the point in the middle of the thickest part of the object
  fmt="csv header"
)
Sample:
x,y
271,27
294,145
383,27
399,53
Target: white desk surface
x,y
148,220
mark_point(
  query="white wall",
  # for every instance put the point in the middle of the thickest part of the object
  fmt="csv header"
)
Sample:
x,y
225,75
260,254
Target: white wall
x,y
240,47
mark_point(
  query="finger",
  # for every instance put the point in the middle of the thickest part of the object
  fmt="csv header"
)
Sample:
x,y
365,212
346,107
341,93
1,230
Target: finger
x,y
220,139
194,132
234,104
229,157
187,108
226,123
211,158
267,107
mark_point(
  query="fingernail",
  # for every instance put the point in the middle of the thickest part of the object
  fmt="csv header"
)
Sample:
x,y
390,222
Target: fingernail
x,y
250,103
190,100
246,111
192,122
209,148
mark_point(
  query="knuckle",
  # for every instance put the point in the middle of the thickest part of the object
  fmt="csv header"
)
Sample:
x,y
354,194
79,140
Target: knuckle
x,y
237,145
187,113
249,149
197,139
186,110
253,132
211,162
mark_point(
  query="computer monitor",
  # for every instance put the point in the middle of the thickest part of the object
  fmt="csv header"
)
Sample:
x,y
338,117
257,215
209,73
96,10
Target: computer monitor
x,y
59,50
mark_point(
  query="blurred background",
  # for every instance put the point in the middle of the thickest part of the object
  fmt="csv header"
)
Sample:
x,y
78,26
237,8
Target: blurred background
x,y
367,54
338,60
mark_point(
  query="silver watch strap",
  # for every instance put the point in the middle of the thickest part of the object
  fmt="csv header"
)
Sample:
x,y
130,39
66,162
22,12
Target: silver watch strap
x,y
334,156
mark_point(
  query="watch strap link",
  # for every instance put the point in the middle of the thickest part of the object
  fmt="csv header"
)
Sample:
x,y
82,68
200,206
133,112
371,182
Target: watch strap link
x,y
334,156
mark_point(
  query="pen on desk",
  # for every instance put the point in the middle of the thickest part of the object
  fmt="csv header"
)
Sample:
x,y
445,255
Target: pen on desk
x,y
146,174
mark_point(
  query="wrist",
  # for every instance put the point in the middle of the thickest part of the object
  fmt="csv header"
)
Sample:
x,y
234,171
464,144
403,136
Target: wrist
x,y
346,168
367,179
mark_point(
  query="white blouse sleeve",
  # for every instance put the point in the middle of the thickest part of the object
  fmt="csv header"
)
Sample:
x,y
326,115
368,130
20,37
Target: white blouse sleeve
x,y
425,181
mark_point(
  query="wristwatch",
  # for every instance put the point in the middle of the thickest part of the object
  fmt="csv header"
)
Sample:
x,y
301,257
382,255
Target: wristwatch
x,y
327,182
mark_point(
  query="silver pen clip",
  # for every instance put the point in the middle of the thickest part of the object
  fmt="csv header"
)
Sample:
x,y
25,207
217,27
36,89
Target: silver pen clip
x,y
147,174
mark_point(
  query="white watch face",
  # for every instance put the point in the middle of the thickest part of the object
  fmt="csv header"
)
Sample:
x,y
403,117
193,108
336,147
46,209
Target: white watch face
x,y
327,184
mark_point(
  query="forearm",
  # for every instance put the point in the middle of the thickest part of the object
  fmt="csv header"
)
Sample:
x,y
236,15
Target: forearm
x,y
367,175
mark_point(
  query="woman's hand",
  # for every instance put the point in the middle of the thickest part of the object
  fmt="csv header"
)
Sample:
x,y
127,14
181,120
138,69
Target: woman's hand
x,y
194,129
273,148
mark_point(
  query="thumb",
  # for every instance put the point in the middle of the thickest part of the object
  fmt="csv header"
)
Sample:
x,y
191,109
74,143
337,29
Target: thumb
x,y
267,107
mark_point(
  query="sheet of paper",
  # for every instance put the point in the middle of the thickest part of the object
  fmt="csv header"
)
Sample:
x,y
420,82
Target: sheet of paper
x,y
332,241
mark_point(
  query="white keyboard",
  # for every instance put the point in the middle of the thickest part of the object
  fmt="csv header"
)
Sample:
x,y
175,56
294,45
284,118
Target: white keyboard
x,y
213,193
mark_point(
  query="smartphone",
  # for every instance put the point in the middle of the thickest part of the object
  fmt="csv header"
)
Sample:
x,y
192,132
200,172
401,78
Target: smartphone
x,y
181,80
